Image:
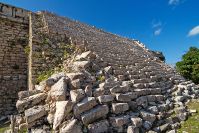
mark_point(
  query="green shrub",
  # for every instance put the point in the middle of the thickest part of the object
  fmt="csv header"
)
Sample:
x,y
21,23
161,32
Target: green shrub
x,y
27,50
101,78
44,75
189,66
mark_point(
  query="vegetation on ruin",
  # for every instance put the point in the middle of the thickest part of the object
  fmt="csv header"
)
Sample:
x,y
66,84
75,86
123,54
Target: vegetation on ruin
x,y
46,41
27,50
6,127
46,74
66,50
192,124
189,66
101,78
3,128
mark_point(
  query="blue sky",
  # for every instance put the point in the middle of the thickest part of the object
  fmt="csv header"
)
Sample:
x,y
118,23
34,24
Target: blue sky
x,y
169,26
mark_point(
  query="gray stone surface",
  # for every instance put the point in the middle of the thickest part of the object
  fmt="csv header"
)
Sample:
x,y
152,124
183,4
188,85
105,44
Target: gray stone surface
x,y
148,116
105,98
94,114
33,114
142,101
84,105
77,95
99,127
132,129
119,121
72,127
62,110
136,121
30,101
119,107
58,91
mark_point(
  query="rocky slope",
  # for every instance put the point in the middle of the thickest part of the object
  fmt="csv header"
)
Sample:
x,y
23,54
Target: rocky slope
x,y
110,84
92,99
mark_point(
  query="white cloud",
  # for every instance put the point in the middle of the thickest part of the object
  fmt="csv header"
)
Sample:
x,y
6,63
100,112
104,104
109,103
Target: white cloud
x,y
158,32
174,2
157,24
194,31
157,27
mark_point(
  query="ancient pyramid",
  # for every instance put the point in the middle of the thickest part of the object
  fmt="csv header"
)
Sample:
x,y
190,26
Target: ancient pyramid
x,y
108,83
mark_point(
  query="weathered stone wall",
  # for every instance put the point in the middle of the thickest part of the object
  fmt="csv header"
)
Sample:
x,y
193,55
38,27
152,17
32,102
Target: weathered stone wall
x,y
48,50
13,60
116,82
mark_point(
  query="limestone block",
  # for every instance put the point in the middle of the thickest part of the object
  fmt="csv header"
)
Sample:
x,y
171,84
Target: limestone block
x,y
121,77
77,95
20,13
132,105
7,11
98,92
88,90
34,113
179,98
142,101
164,127
136,121
138,85
73,76
50,118
148,116
75,84
58,91
110,83
127,83
62,109
159,97
72,127
119,89
81,65
124,97
155,91
84,105
30,101
54,78
24,94
133,95
147,125
108,70
119,107
85,56
99,127
119,121
153,109
151,98
94,114
132,129
142,92
105,98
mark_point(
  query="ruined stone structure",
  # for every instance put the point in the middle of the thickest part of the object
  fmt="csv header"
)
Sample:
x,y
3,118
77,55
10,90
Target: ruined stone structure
x,y
13,60
108,83
24,53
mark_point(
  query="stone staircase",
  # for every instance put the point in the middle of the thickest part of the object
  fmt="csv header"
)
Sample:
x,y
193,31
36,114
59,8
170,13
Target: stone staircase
x,y
115,85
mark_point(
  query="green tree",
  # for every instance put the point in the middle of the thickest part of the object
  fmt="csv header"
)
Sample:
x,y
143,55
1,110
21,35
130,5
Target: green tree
x,y
189,66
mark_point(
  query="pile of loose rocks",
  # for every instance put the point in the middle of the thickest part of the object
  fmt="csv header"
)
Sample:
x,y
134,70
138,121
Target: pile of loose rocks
x,y
91,99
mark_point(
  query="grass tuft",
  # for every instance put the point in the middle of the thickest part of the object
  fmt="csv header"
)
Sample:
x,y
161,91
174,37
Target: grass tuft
x,y
191,125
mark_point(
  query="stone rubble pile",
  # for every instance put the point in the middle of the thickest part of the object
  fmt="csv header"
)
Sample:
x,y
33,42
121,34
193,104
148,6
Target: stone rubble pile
x,y
91,99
